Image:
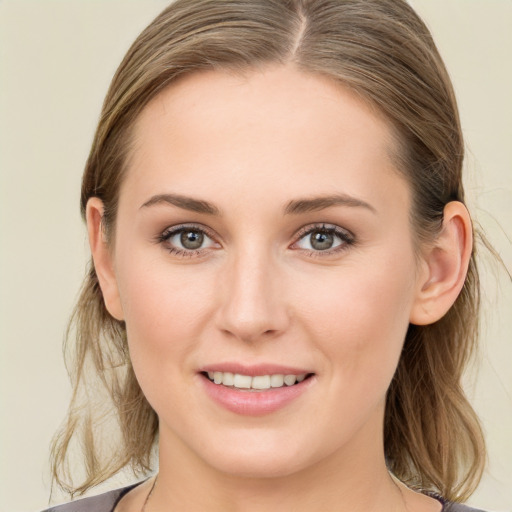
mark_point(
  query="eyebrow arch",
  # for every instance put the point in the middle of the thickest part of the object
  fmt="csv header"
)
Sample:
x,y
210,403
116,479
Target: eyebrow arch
x,y
185,202
314,204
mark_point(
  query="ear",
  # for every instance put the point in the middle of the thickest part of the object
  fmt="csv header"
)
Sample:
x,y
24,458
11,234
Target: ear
x,y
445,265
103,258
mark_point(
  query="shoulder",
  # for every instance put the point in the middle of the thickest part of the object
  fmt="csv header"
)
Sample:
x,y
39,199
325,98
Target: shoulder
x,y
458,507
101,503
449,506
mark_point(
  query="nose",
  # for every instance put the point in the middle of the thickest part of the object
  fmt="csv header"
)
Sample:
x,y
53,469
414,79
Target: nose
x,y
253,305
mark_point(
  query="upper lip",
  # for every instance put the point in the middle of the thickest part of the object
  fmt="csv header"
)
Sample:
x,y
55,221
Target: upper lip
x,y
255,369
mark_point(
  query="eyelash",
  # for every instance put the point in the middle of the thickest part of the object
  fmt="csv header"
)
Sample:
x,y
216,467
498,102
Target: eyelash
x,y
346,237
164,238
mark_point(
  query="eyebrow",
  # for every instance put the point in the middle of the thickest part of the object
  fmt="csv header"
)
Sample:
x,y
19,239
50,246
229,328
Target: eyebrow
x,y
295,207
314,204
185,202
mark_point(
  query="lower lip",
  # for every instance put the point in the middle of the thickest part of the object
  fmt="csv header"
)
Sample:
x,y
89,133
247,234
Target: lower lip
x,y
254,403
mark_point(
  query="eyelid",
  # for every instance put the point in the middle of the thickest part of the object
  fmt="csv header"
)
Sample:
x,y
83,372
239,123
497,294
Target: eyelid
x,y
323,226
347,238
191,226
171,231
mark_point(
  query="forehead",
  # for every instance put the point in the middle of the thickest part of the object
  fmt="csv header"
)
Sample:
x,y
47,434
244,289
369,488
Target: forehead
x,y
275,127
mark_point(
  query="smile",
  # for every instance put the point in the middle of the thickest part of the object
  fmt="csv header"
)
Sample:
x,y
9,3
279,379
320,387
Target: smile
x,y
257,382
257,391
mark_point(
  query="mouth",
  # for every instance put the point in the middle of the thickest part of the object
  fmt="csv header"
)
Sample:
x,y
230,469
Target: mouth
x,y
255,390
256,383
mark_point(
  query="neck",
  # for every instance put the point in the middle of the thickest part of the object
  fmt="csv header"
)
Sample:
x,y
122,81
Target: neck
x,y
354,479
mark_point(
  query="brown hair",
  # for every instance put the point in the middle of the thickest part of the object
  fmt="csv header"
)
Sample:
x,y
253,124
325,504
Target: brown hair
x,y
381,50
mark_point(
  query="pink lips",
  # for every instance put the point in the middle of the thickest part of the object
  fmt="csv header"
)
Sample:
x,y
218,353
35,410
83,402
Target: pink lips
x,y
255,369
251,402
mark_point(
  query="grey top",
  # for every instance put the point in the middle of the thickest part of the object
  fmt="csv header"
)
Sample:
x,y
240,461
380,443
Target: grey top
x,y
106,502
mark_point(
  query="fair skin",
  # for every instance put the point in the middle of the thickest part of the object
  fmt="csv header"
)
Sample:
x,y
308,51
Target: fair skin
x,y
329,289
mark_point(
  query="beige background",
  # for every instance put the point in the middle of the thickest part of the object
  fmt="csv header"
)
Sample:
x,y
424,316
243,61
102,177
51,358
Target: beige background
x,y
56,60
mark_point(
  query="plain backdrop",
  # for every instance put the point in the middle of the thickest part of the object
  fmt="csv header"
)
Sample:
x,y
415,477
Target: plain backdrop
x,y
56,61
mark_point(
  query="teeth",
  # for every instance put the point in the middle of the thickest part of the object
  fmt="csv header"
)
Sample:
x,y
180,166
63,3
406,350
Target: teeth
x,y
240,381
228,379
261,382
289,380
277,381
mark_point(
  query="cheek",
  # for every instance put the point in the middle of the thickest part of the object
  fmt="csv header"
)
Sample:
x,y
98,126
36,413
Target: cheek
x,y
359,316
165,310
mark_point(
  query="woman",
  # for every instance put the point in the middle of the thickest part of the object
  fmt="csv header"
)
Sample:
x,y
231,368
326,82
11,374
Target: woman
x,y
283,293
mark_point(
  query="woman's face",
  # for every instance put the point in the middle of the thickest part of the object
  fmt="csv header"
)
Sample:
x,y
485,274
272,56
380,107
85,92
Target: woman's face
x,y
263,231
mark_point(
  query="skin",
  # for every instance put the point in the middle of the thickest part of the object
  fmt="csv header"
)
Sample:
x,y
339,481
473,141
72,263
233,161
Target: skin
x,y
258,292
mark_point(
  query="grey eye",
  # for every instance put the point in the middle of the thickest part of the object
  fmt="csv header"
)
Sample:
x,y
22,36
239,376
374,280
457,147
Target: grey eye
x,y
321,240
188,239
191,239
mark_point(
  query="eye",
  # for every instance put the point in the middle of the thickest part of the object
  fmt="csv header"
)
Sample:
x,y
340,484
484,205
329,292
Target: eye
x,y
324,238
186,240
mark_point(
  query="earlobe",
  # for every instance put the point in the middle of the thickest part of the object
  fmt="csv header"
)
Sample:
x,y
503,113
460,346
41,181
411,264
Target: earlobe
x,y
102,257
445,263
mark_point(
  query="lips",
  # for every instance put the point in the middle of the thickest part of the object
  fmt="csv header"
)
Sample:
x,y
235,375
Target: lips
x,y
255,369
255,390
261,382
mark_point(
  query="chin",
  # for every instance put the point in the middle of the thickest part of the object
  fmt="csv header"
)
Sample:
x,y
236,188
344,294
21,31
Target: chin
x,y
250,453
277,455
258,465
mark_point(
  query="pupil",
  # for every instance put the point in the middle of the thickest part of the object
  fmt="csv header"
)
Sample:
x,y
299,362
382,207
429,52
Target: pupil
x,y
321,240
191,239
